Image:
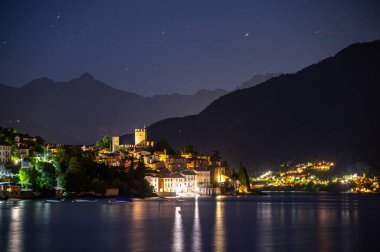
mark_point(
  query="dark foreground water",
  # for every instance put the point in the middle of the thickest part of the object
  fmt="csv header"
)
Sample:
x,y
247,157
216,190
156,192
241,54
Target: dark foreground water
x,y
277,222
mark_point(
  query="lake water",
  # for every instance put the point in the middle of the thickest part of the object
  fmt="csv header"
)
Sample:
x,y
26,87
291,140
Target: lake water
x,y
276,222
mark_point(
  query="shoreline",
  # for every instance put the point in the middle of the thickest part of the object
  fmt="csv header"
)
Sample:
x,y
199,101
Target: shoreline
x,y
170,198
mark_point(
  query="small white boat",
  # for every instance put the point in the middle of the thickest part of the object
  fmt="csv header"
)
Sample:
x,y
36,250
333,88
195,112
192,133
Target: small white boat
x,y
53,200
13,199
85,200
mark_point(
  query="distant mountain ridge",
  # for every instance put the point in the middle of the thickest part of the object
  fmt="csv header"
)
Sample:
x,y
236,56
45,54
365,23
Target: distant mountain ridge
x,y
83,109
258,79
329,110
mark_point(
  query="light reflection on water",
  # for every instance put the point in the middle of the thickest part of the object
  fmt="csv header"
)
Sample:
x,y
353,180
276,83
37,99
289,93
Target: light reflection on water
x,y
177,239
264,215
263,223
15,242
219,229
197,232
138,229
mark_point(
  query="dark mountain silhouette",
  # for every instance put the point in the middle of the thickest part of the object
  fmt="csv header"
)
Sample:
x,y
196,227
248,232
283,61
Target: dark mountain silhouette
x,y
82,110
329,110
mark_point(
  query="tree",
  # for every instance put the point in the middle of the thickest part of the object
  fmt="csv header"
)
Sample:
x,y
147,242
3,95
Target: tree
x,y
46,179
243,178
132,169
24,176
73,177
216,157
227,168
187,149
163,145
99,186
140,171
64,155
104,143
28,177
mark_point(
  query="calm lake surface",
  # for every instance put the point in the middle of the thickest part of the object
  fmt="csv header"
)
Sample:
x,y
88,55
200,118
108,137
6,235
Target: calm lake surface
x,y
275,222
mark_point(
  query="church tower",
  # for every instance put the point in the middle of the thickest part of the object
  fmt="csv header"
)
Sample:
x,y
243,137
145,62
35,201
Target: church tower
x,y
115,143
140,138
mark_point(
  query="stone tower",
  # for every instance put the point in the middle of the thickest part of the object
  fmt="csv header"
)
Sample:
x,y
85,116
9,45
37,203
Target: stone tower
x,y
115,143
140,138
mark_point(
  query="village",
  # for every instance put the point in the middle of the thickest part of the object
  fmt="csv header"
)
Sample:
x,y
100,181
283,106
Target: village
x,y
168,173
31,167
181,174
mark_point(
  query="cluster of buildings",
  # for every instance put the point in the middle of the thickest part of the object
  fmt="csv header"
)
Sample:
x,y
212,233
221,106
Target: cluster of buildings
x,y
359,183
18,154
298,175
184,173
22,149
5,153
180,174
302,175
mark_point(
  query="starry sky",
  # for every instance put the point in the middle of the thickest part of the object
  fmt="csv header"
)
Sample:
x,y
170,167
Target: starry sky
x,y
164,46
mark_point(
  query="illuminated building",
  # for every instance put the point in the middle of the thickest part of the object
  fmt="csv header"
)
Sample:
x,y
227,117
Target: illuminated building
x,y
203,176
5,153
176,163
219,174
153,181
115,143
197,162
190,180
172,183
9,189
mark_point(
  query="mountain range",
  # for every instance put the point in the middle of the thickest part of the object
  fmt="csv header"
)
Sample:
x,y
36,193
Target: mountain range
x,y
329,110
82,110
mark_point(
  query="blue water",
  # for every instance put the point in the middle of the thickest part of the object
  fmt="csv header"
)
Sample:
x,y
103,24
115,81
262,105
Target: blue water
x,y
276,222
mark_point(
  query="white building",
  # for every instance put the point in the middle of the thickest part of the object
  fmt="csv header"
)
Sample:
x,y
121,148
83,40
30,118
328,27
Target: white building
x,y
190,180
153,181
173,183
5,153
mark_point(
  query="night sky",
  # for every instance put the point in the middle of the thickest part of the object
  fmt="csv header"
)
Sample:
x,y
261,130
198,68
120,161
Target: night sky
x,y
155,47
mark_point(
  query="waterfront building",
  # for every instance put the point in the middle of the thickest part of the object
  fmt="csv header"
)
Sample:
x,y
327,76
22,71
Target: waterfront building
x,y
190,180
153,180
9,189
172,183
203,176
